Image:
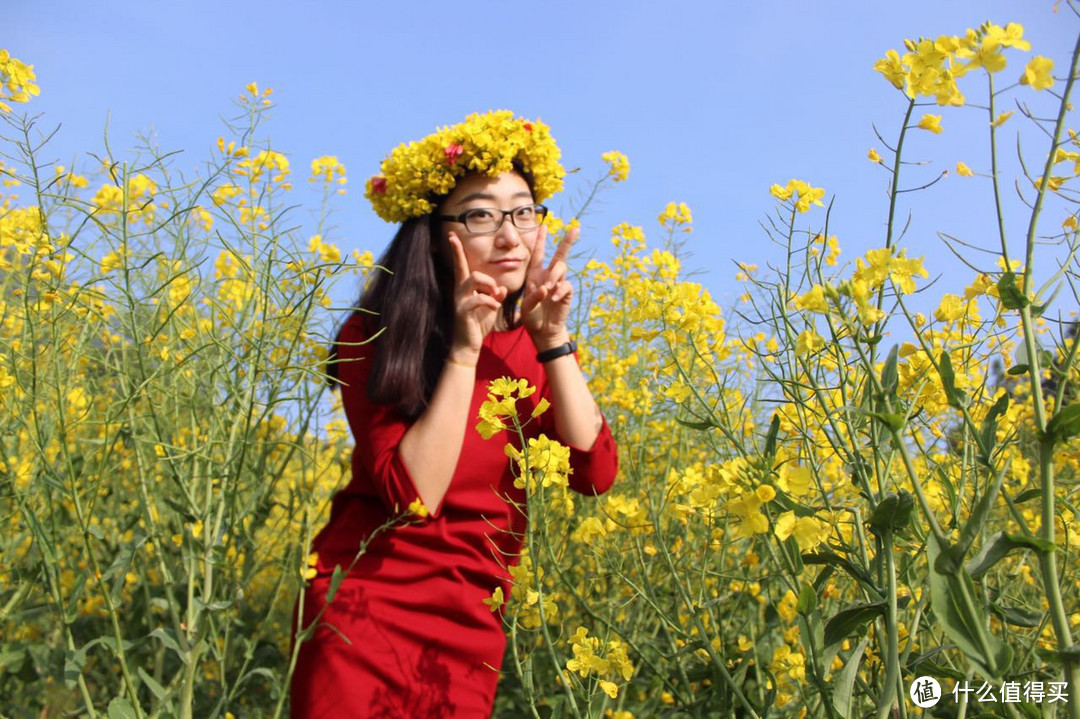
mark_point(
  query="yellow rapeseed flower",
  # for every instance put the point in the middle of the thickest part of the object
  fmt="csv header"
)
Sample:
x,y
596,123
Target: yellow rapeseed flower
x,y
496,600
813,300
893,70
620,165
676,216
808,342
16,81
327,169
951,308
1037,73
804,194
963,170
931,123
873,155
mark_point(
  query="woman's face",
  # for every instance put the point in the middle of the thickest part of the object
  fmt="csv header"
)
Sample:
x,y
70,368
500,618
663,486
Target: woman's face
x,y
504,254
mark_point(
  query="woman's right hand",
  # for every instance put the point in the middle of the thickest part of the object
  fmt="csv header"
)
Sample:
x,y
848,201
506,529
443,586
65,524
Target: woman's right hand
x,y
477,302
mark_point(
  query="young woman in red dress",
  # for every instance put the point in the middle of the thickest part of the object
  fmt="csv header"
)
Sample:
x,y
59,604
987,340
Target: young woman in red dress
x,y
470,297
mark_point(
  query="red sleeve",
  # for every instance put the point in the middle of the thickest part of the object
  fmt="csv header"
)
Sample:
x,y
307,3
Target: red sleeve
x,y
377,429
594,467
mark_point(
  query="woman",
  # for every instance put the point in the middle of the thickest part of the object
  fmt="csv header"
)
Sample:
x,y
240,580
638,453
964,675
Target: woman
x,y
470,299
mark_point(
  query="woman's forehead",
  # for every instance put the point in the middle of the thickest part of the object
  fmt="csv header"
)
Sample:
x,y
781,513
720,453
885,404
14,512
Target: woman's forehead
x,y
504,187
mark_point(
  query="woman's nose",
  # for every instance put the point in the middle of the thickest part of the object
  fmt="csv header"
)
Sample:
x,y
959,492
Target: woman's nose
x,y
507,235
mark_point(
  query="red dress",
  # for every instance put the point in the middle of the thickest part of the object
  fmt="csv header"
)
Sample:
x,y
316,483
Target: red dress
x,y
420,641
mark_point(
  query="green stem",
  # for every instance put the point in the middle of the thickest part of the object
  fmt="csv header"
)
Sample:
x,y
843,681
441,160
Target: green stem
x,y
896,174
889,694
994,176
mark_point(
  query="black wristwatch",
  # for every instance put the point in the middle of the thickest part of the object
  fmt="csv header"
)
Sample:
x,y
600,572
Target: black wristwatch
x,y
563,349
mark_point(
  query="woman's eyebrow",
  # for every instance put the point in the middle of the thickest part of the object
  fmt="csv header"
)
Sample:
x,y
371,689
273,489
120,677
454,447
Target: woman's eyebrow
x,y
488,196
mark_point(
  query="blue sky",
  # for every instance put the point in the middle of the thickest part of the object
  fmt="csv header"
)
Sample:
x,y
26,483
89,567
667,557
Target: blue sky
x,y
712,101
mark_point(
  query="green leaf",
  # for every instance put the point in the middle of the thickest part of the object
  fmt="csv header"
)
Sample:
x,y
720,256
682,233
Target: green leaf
x,y
335,583
844,684
956,608
170,642
807,600
1000,545
892,513
1011,296
770,438
988,431
1027,494
957,399
795,553
891,420
706,424
1065,424
121,565
120,708
74,661
921,666
1066,656
831,558
890,379
785,502
73,667
1017,369
1018,617
181,509
850,620
152,684
977,519
12,658
71,611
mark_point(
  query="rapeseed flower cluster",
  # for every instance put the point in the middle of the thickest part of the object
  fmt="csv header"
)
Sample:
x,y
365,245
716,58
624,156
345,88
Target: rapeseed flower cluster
x,y
17,81
414,174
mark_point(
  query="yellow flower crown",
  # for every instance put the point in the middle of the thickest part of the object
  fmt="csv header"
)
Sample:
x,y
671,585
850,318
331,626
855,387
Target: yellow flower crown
x,y
415,174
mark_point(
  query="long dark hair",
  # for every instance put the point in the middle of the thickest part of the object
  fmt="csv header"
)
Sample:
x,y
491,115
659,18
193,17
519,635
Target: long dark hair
x,y
413,305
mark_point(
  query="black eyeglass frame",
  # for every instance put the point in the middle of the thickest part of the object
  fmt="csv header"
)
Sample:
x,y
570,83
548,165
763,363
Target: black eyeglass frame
x,y
541,211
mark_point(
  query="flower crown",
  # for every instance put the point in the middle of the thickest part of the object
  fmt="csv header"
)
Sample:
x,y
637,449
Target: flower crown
x,y
413,175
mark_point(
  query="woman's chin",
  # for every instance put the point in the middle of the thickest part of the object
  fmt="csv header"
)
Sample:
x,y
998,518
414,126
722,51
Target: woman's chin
x,y
512,279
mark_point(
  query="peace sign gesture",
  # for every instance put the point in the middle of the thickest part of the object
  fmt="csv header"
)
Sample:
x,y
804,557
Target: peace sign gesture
x,y
548,294
477,302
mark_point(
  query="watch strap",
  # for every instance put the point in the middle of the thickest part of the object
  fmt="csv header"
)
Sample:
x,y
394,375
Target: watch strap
x,y
563,349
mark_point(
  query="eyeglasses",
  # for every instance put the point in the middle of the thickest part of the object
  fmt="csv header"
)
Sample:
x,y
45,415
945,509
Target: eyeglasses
x,y
486,220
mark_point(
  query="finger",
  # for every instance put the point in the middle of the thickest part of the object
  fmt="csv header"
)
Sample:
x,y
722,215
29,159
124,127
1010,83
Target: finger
x,y
536,260
555,274
563,291
473,302
461,263
563,250
532,298
478,282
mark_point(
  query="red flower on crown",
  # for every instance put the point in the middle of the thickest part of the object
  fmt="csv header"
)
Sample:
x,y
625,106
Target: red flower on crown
x,y
527,126
453,152
378,185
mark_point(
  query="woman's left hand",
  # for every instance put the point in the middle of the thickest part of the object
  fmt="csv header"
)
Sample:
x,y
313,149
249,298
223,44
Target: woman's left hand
x,y
545,307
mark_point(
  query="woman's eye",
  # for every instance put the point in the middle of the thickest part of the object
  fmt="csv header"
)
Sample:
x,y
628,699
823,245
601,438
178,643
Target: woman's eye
x,y
480,214
525,213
